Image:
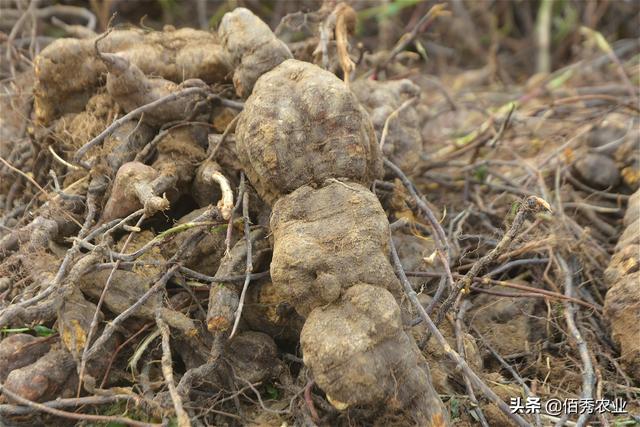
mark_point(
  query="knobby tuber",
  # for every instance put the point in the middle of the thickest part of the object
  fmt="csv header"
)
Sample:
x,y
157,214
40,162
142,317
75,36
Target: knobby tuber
x,y
300,127
251,46
175,55
360,355
385,102
622,302
308,147
320,235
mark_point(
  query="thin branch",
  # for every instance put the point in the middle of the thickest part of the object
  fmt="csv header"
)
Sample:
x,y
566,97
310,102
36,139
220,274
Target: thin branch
x,y
167,368
249,263
588,376
529,205
451,353
72,415
132,115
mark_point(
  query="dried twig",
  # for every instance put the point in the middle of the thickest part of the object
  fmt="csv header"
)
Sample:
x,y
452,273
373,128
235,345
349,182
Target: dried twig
x,y
249,264
460,344
512,371
167,368
133,115
451,353
8,409
72,415
392,116
439,236
530,205
588,376
96,316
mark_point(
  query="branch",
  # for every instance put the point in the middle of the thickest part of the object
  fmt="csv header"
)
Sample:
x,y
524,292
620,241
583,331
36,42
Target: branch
x,y
451,353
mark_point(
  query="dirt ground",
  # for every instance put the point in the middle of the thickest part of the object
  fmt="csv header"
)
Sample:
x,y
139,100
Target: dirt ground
x,y
277,213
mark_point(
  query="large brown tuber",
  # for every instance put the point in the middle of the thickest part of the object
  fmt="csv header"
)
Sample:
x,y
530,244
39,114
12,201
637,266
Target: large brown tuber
x,y
251,46
307,145
360,355
175,55
49,377
301,126
321,236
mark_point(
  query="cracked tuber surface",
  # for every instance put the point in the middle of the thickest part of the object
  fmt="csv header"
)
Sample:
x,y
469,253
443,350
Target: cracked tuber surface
x,y
321,236
360,354
301,126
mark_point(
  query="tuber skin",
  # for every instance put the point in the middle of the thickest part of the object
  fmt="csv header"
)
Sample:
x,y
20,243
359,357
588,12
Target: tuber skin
x,y
132,190
175,55
20,350
302,131
319,238
253,356
51,376
360,355
301,126
131,88
251,46
622,302
403,142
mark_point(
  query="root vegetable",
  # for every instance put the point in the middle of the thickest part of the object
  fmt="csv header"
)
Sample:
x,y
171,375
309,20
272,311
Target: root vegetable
x,y
131,88
51,376
252,47
300,132
302,126
320,236
622,302
253,356
20,350
390,106
359,354
132,190
175,55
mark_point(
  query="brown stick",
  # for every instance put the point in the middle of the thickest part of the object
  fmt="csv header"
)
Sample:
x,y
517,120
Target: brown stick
x,y
451,353
167,369
588,376
71,415
249,264
529,205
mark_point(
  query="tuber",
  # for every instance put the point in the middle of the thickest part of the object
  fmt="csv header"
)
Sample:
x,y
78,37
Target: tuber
x,y
175,55
301,126
390,104
319,238
251,46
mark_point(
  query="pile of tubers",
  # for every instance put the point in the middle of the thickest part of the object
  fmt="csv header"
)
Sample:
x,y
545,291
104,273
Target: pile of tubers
x,y
310,151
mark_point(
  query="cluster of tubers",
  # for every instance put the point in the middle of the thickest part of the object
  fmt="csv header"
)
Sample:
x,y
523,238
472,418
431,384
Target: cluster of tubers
x,y
308,147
